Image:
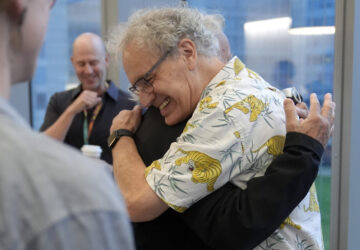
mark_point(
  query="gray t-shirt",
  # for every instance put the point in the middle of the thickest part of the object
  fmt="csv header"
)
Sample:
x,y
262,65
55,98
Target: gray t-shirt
x,y
52,197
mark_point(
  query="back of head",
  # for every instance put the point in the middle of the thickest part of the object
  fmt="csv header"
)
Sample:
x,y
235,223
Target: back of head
x,y
216,23
160,30
19,47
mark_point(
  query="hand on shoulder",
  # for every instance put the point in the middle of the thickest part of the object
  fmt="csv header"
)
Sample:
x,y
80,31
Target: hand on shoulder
x,y
319,124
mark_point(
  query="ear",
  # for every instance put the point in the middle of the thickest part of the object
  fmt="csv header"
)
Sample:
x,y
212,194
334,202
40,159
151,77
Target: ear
x,y
187,49
72,60
16,11
107,60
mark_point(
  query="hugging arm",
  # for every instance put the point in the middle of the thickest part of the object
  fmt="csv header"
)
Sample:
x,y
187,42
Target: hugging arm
x,y
233,218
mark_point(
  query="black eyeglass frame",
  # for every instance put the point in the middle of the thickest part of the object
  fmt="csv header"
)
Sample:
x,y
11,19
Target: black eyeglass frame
x,y
142,84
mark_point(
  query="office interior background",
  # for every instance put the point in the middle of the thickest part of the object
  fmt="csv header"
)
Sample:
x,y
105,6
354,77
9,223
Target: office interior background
x,y
313,45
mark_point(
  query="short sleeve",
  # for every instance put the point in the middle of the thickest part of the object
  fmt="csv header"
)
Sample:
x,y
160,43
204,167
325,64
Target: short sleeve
x,y
52,113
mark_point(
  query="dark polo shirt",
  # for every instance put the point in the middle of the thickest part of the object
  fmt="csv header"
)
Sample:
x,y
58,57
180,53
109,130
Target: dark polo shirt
x,y
114,100
229,218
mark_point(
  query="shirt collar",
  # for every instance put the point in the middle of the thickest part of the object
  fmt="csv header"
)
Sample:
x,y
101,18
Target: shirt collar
x,y
112,91
227,72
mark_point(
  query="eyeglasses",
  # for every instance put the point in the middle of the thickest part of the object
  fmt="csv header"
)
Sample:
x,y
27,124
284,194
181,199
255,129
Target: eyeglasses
x,y
142,84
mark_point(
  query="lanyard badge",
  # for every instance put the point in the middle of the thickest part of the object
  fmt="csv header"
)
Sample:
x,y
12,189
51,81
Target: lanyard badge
x,y
88,126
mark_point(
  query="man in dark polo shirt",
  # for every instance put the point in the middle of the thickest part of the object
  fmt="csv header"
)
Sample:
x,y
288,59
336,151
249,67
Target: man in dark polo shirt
x,y
83,115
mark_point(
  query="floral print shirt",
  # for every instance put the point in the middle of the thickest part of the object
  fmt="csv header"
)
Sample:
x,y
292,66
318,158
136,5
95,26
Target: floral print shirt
x,y
236,130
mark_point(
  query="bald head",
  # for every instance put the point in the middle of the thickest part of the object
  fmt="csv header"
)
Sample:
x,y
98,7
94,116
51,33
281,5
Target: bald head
x,y
90,61
89,40
215,23
225,53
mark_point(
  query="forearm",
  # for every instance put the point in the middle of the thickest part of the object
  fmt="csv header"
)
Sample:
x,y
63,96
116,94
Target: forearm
x,y
244,218
129,170
60,127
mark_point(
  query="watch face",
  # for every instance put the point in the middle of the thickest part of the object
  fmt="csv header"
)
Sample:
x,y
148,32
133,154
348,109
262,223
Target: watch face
x,y
112,139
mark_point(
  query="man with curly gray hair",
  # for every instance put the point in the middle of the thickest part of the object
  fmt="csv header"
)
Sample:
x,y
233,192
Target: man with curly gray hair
x,y
236,126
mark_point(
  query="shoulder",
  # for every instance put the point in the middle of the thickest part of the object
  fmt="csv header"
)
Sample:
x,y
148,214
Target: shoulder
x,y
64,97
50,178
40,161
126,99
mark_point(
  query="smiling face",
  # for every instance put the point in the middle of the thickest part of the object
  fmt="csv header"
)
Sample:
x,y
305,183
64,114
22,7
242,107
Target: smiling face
x,y
175,89
90,62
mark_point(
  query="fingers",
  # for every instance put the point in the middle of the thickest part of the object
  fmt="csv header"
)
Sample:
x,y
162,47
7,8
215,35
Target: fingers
x,y
137,108
302,105
328,109
89,99
127,119
314,105
290,114
302,110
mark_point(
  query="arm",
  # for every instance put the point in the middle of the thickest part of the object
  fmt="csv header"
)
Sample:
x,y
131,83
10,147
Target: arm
x,y
142,202
140,198
58,129
256,212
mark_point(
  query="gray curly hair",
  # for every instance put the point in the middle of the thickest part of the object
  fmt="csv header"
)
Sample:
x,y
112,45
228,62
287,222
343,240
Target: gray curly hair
x,y
160,30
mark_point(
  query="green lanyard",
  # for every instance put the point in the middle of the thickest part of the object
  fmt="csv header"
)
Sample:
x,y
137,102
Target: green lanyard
x,y
88,127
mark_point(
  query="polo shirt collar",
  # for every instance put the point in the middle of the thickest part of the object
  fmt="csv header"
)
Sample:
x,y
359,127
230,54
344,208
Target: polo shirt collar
x,y
75,92
112,91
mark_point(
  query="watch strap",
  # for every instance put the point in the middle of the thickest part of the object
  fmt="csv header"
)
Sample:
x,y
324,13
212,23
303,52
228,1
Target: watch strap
x,y
116,135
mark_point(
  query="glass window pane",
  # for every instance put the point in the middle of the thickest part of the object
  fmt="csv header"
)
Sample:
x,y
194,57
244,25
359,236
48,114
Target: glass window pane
x,y
54,72
271,39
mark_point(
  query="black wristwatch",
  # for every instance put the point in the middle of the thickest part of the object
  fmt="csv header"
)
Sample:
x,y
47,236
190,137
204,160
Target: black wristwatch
x,y
116,135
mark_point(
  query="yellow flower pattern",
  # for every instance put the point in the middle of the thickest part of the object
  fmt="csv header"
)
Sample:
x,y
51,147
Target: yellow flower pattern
x,y
155,164
205,103
176,208
188,126
221,83
313,203
237,134
288,221
238,66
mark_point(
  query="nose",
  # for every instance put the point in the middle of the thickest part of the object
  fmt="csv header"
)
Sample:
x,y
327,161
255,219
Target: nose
x,y
88,69
146,99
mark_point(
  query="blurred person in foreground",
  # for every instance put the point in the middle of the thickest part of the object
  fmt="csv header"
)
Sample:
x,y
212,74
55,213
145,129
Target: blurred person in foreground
x,y
51,196
83,115
189,79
